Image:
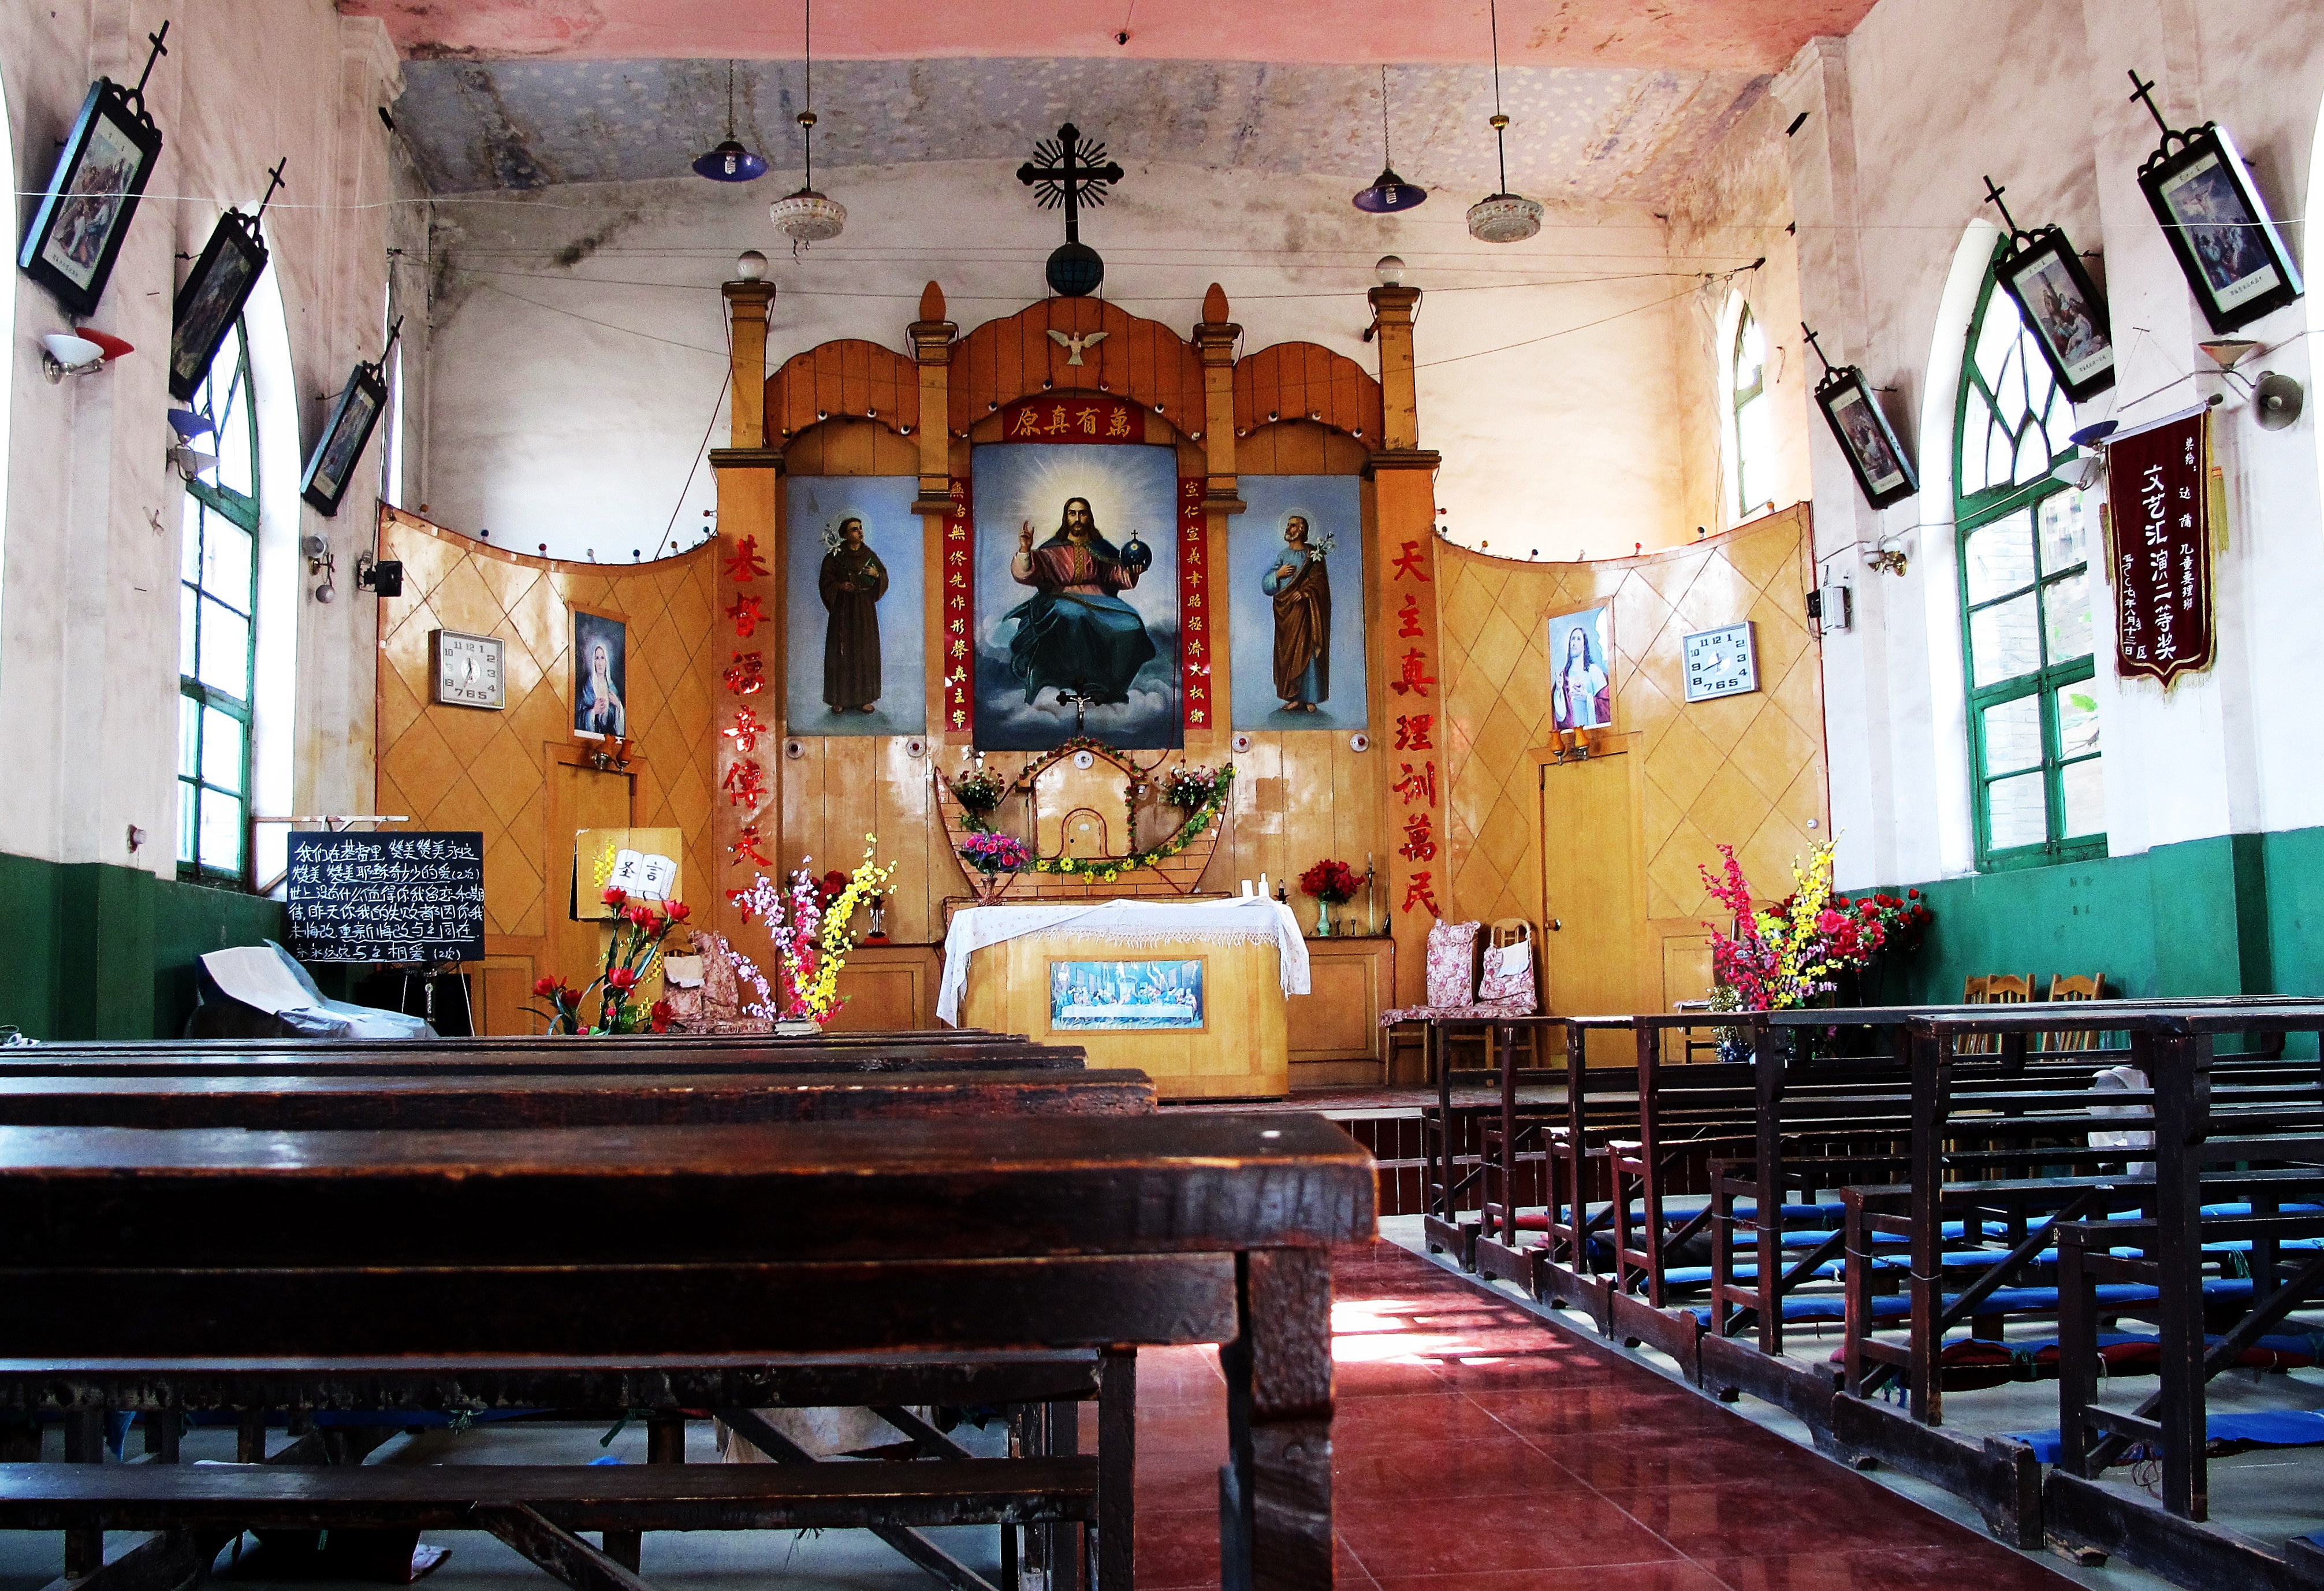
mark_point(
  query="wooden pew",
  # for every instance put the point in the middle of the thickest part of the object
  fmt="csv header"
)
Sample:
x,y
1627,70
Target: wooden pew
x,y
623,1056
692,1246
345,1099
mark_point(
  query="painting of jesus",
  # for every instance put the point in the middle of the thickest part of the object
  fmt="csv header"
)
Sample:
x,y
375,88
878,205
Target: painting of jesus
x,y
1076,617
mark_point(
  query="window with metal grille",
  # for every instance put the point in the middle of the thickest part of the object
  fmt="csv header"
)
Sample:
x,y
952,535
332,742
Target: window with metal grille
x,y
1754,410
2025,590
217,602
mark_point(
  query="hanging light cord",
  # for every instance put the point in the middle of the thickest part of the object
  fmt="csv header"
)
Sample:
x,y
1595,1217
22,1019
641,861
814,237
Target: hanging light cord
x,y
1500,122
1387,163
806,118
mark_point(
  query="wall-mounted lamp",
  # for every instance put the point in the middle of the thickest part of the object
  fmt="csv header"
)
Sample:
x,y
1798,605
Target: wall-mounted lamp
x,y
322,561
191,462
84,353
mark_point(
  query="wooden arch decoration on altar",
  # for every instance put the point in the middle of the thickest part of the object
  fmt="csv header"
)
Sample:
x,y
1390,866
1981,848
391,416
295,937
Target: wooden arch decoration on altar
x,y
1301,380
1145,361
847,379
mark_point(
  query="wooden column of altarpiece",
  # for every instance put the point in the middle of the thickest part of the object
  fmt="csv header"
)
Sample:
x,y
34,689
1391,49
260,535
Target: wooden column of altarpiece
x,y
1405,663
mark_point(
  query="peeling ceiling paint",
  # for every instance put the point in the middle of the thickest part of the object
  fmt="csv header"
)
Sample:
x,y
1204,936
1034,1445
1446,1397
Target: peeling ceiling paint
x,y
1578,134
1744,35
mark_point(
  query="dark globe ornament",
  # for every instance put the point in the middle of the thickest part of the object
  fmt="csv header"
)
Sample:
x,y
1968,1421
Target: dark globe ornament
x,y
1074,271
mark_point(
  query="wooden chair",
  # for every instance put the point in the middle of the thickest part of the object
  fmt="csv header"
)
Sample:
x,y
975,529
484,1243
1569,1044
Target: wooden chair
x,y
2064,986
1508,975
2000,988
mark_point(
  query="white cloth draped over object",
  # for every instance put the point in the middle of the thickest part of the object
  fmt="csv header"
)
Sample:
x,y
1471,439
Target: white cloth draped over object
x,y
1238,919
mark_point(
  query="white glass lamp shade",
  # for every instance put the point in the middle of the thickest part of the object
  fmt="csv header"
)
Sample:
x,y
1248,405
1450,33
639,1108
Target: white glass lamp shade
x,y
807,217
74,353
1504,217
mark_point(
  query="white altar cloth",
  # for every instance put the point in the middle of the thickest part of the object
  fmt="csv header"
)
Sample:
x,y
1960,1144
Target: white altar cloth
x,y
1252,919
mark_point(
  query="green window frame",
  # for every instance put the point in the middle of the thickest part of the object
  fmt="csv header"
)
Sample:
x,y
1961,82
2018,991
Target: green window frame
x,y
1748,376
218,607
2026,596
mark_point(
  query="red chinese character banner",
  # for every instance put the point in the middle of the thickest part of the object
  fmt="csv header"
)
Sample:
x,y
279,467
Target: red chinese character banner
x,y
2159,503
1193,604
743,781
1076,419
1418,784
959,595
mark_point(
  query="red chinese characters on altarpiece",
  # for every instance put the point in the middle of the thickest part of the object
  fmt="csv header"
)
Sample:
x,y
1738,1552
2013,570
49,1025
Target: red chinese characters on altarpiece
x,y
2159,501
957,634
1078,418
1197,638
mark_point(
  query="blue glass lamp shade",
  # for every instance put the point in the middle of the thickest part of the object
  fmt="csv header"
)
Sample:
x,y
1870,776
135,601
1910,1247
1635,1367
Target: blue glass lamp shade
x,y
1389,193
731,162
189,425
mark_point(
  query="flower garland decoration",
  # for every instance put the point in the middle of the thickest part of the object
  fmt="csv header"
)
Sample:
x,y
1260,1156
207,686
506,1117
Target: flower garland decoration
x,y
1205,790
1106,869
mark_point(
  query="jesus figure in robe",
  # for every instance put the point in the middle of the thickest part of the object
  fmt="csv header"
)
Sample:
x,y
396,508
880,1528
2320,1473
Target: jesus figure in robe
x,y
1073,633
1300,587
852,581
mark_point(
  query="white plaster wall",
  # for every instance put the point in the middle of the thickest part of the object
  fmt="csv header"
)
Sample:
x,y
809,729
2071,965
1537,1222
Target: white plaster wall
x,y
546,424
1936,94
88,607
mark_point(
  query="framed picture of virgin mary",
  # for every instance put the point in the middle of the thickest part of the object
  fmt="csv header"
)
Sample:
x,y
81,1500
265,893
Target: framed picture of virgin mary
x,y
1582,668
601,676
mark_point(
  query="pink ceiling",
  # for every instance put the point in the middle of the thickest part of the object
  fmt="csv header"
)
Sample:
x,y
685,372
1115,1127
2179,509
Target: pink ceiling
x,y
1713,34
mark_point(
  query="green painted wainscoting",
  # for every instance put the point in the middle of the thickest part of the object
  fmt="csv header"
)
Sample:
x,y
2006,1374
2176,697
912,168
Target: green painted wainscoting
x,y
2239,914
106,952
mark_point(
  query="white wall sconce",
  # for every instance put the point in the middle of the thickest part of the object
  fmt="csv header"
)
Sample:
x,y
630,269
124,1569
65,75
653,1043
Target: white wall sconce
x,y
66,353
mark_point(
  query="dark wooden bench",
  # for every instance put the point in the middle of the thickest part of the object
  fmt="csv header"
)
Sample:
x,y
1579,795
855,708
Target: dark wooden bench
x,y
935,1239
876,1053
341,1098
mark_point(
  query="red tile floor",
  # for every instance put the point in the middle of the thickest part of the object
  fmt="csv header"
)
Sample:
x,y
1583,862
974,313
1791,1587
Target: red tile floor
x,y
1476,1446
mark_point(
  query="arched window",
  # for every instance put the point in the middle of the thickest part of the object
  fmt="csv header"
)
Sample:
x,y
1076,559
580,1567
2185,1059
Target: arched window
x,y
217,603
1754,417
2025,602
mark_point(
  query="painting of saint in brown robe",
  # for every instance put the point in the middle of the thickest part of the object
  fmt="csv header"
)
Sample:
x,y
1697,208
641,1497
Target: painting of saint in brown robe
x,y
1300,587
852,581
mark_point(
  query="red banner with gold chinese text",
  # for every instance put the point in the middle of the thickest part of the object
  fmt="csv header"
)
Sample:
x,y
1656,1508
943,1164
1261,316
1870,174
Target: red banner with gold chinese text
x,y
1078,418
957,634
2158,500
1195,636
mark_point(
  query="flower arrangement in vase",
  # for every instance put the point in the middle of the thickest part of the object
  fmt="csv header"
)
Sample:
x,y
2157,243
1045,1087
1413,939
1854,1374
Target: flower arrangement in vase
x,y
630,956
1330,883
980,792
1188,786
992,859
810,920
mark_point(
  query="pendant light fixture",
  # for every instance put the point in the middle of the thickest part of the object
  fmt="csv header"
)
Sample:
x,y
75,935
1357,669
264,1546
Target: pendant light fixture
x,y
730,162
1389,193
1502,217
807,217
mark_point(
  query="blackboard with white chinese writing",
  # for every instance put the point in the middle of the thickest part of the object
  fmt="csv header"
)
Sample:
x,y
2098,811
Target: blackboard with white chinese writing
x,y
387,897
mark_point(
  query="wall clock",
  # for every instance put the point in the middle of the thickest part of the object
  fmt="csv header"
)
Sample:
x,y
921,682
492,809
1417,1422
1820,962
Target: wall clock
x,y
467,669
1721,662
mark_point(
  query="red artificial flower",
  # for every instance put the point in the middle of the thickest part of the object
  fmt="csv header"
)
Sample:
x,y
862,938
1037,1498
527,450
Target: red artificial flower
x,y
833,883
567,996
545,988
1829,922
621,980
1911,894
678,911
642,915
615,895
660,1016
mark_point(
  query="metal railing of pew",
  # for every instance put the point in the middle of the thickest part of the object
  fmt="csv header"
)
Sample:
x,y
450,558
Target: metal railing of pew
x,y
2202,1130
348,1100
928,1238
1963,1100
1451,1135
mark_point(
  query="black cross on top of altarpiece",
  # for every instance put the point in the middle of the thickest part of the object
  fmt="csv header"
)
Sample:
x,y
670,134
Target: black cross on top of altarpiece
x,y
1065,170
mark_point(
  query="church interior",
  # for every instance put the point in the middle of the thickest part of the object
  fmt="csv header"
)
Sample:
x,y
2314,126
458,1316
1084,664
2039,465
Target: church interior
x,y
1146,793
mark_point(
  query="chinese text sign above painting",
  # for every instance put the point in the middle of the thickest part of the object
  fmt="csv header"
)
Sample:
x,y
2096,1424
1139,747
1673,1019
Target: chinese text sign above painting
x,y
1079,418
1194,605
1075,621
2159,502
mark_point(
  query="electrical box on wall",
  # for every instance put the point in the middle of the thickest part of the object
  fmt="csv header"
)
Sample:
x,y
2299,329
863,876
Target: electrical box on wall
x,y
1831,608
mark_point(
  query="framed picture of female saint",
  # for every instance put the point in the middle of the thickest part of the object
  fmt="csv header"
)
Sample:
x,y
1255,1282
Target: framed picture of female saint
x,y
601,676
1295,592
1582,668
856,626
1077,615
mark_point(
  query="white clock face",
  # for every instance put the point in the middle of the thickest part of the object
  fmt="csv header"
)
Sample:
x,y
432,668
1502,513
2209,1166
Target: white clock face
x,y
1721,662
468,670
